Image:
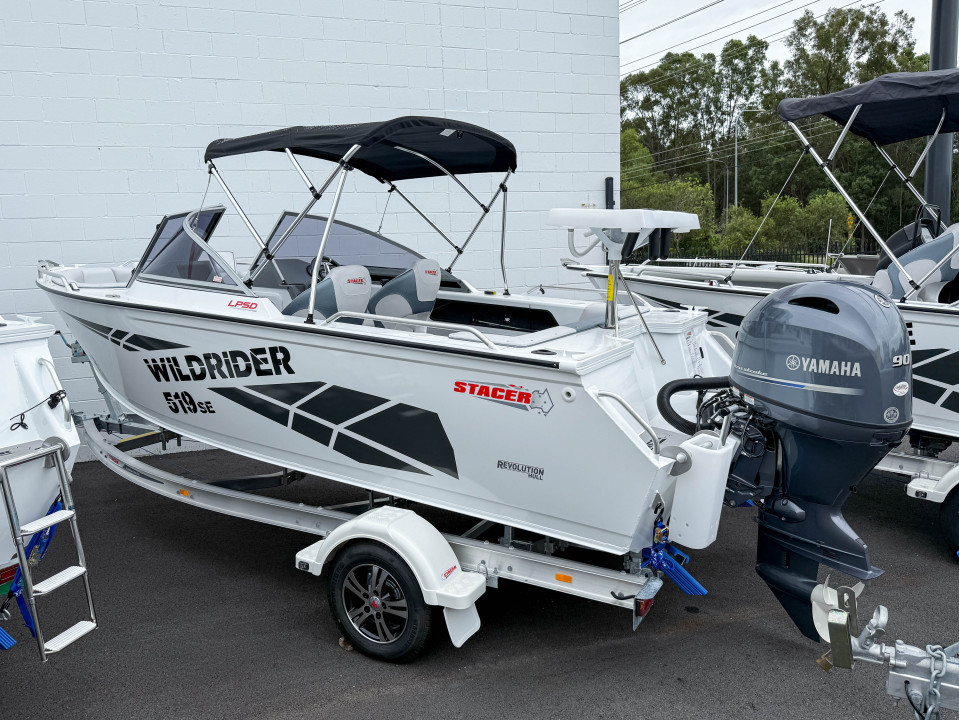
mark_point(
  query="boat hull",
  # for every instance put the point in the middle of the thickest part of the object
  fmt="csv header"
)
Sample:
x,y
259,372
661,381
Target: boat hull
x,y
27,383
518,442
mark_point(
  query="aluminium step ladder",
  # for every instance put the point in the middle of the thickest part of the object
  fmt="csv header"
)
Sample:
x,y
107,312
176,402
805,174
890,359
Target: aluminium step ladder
x,y
50,454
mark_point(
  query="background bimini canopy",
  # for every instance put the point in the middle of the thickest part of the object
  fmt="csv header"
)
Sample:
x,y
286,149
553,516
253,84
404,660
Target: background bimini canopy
x,y
461,148
895,107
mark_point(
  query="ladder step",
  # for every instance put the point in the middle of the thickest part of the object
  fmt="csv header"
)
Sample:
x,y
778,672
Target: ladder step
x,y
55,581
69,636
46,521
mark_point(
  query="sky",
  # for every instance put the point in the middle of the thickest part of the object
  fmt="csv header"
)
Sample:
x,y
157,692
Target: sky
x,y
704,30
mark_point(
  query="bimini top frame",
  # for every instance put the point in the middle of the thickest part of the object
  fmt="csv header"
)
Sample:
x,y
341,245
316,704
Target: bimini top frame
x,y
888,109
401,149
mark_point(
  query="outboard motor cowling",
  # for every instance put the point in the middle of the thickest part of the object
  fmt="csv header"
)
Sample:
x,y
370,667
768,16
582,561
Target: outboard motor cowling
x,y
825,368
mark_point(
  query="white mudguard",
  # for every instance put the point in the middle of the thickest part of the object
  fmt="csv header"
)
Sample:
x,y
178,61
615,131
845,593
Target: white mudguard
x,y
422,547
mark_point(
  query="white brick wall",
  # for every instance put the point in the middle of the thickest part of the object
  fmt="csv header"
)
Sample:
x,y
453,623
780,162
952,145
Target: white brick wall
x,y
106,107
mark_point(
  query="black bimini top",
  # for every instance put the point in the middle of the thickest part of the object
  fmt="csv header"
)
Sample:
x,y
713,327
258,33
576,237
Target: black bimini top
x,y
459,147
895,107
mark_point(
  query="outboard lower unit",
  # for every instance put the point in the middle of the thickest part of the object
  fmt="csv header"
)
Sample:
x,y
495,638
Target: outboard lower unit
x,y
819,392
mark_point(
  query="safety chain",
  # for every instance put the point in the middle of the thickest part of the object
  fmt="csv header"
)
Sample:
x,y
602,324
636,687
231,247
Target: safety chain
x,y
935,679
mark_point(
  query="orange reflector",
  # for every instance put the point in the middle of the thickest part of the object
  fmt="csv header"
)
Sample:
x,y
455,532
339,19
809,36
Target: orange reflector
x,y
184,493
563,578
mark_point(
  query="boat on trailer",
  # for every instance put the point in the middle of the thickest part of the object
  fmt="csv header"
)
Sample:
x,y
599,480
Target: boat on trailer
x,y
38,447
555,423
919,268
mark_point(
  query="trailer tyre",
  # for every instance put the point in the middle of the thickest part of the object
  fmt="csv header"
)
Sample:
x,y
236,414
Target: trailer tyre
x,y
949,520
377,602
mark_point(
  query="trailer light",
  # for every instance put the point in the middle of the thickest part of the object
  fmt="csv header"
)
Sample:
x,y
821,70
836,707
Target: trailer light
x,y
564,578
645,606
184,493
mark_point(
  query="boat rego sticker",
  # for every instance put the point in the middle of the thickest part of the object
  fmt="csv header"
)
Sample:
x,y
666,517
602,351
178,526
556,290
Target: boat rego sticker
x,y
901,388
515,396
891,415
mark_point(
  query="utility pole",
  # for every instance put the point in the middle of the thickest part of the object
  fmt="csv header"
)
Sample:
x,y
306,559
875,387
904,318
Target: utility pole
x,y
942,56
739,119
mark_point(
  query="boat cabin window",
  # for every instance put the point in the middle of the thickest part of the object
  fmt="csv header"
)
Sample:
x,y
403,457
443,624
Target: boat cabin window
x,y
174,255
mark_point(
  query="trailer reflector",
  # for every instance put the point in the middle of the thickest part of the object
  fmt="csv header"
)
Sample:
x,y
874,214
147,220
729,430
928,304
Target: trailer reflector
x,y
184,493
564,578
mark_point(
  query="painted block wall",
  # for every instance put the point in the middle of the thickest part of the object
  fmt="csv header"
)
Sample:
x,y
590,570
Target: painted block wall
x,y
106,107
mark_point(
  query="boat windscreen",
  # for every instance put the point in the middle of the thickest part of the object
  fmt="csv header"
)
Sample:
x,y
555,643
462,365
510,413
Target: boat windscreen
x,y
347,244
175,255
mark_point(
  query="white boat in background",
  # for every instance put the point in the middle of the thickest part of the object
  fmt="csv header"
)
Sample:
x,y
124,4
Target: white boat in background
x,y
29,379
919,268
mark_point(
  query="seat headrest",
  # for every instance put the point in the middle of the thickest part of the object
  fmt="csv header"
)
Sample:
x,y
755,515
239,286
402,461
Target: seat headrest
x,y
351,287
428,275
346,289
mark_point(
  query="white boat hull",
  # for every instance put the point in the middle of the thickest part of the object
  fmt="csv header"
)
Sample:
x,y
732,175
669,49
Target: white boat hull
x,y
26,369
541,453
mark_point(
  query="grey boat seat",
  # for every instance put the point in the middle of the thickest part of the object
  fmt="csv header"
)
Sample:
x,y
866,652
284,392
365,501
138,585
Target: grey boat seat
x,y
98,276
411,294
345,289
917,263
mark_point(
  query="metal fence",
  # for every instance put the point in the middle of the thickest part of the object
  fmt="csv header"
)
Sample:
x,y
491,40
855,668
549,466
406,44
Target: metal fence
x,y
784,254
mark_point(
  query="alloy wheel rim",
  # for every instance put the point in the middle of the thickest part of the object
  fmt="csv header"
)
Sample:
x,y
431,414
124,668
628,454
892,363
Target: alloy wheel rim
x,y
375,603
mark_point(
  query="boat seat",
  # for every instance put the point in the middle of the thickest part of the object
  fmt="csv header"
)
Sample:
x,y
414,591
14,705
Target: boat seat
x,y
94,276
345,289
918,262
411,294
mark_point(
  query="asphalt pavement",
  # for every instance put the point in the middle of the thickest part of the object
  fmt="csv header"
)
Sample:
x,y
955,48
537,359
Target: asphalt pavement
x,y
204,616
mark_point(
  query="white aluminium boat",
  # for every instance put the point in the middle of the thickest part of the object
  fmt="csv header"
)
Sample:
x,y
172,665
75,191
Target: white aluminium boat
x,y
343,354
29,380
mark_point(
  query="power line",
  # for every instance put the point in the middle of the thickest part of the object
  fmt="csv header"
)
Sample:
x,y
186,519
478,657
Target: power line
x,y
737,32
722,147
754,128
729,157
704,62
630,5
721,27
670,22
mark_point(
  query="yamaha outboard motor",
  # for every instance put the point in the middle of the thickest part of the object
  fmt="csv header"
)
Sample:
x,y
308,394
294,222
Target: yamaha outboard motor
x,y
819,392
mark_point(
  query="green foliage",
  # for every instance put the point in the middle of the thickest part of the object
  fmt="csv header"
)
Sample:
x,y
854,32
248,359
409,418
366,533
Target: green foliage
x,y
679,120
682,195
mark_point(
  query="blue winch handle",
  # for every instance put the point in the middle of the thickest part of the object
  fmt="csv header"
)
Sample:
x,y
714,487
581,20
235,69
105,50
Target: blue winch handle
x,y
39,542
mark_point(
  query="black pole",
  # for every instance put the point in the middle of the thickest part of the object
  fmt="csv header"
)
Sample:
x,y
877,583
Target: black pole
x,y
942,56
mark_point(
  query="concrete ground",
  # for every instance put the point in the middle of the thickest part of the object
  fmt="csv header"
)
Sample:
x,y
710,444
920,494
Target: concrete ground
x,y
204,616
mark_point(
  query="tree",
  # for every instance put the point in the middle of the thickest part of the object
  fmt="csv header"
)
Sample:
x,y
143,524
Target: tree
x,y
684,196
683,112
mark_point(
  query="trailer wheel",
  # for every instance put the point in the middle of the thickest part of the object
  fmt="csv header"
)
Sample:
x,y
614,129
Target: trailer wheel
x,y
949,520
378,604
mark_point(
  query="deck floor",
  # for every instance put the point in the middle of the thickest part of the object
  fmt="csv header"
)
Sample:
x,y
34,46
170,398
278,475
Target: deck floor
x,y
204,616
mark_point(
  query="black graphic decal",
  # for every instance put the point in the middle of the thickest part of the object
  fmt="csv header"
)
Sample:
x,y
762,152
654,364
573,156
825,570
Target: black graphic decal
x,y
412,431
338,404
267,409
409,431
926,392
312,429
363,453
287,393
132,342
